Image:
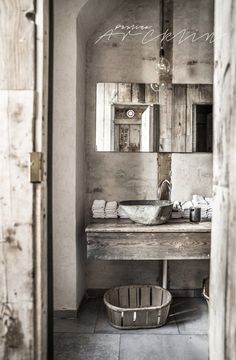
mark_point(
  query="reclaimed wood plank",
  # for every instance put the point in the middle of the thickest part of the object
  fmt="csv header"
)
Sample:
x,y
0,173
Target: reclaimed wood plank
x,y
16,208
23,127
148,246
165,126
100,113
179,118
223,266
126,226
138,93
42,329
110,91
135,138
17,44
151,96
124,92
164,170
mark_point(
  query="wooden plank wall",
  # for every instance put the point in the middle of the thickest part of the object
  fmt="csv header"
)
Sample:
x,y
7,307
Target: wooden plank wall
x,y
176,102
222,343
20,202
121,93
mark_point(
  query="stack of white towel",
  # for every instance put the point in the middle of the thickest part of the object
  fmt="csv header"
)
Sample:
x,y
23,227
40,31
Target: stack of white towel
x,y
184,208
98,209
111,210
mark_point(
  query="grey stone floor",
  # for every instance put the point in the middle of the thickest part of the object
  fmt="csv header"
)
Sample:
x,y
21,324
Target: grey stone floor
x,y
91,337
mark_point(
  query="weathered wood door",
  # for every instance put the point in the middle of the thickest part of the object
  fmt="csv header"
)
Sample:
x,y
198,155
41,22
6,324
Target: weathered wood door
x,y
23,124
222,339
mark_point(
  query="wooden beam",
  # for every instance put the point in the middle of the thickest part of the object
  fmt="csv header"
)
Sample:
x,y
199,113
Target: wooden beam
x,y
222,305
23,127
17,44
148,246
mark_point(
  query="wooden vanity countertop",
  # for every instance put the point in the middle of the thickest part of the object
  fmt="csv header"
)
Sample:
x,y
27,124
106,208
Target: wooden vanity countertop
x,y
127,226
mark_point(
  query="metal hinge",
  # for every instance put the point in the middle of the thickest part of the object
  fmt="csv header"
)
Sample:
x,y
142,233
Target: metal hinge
x,y
36,167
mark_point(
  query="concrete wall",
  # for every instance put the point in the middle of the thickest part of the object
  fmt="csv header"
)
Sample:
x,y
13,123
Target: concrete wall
x,y
130,175
193,60
191,174
65,159
74,22
119,176
113,176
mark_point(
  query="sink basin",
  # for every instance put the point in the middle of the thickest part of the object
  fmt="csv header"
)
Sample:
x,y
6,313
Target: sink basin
x,y
148,212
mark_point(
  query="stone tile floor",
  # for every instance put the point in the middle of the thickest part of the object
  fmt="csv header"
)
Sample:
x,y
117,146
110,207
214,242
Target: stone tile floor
x,y
91,337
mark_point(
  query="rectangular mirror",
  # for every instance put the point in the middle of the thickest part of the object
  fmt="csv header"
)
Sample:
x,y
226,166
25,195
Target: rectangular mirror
x,y
186,118
126,118
135,118
202,125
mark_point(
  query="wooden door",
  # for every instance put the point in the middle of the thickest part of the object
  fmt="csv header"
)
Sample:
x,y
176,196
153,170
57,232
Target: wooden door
x,y
23,125
222,339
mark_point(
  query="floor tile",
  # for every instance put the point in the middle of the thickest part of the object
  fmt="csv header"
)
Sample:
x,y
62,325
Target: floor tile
x,y
103,326
191,315
68,346
164,347
84,323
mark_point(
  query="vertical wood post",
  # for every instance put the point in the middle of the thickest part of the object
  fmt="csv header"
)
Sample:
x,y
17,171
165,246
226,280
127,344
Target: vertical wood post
x,y
223,264
23,120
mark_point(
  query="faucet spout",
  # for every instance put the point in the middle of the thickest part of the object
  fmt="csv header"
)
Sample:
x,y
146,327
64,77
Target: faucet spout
x,y
164,190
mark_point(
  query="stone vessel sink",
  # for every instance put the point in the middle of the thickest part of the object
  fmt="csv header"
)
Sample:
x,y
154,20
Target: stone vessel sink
x,y
148,212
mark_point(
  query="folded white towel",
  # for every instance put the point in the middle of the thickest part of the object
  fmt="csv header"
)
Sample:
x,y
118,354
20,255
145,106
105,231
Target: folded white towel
x,y
111,210
98,209
98,204
111,205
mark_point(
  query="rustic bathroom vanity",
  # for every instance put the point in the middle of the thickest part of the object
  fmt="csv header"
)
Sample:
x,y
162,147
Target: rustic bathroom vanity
x,y
124,240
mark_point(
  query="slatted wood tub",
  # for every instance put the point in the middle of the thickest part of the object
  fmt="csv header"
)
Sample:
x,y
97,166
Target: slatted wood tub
x,y
137,306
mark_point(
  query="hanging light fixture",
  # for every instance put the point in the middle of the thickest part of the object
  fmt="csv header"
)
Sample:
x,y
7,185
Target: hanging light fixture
x,y
162,66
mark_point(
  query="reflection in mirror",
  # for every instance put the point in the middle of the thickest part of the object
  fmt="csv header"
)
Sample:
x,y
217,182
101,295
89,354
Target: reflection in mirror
x,y
186,118
133,118
125,120
202,128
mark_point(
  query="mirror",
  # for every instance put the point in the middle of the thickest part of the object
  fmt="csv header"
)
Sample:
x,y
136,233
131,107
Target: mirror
x,y
183,125
202,125
134,118
126,118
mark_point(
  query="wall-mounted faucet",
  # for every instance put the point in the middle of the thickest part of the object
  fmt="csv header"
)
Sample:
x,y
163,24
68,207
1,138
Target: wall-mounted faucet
x,y
163,194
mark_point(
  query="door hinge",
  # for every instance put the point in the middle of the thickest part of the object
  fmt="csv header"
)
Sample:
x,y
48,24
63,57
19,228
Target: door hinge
x,y
36,167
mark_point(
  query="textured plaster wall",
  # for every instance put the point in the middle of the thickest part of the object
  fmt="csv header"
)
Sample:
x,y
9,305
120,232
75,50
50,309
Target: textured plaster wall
x,y
65,160
191,174
112,176
128,176
74,22
193,60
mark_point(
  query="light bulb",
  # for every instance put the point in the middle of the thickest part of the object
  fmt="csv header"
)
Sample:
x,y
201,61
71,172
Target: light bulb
x,y
163,65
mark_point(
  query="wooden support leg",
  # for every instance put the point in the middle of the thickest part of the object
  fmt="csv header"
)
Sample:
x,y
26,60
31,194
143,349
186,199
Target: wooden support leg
x,y
164,274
